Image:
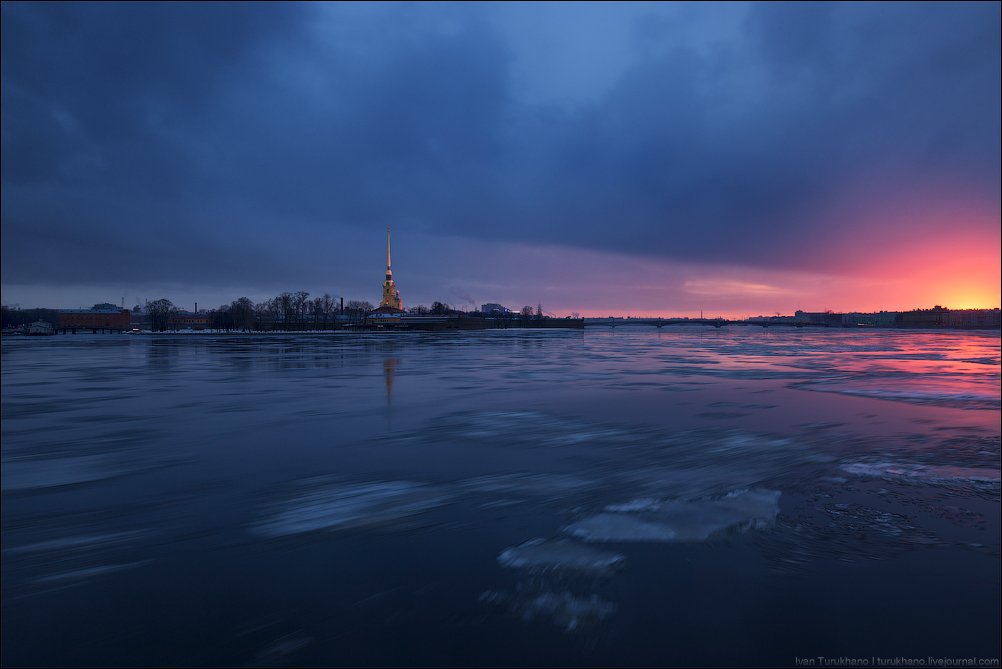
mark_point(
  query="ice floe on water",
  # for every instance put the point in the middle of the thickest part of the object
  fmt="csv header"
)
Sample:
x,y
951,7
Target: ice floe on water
x,y
565,609
970,394
86,573
60,555
717,447
520,486
521,429
928,474
20,474
336,505
712,463
679,520
657,463
559,555
73,543
688,464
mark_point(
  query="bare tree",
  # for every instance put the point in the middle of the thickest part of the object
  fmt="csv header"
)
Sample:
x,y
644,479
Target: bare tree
x,y
358,305
300,305
357,309
265,313
242,313
315,308
161,314
321,308
526,312
284,304
330,309
221,318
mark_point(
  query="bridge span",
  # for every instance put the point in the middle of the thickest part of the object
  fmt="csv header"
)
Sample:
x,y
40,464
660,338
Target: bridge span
x,y
711,322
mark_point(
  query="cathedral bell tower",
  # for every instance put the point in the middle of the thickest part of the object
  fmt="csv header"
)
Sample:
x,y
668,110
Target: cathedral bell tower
x,y
391,296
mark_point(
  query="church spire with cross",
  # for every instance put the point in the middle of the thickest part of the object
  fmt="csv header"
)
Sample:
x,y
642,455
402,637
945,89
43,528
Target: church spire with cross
x,y
391,296
389,272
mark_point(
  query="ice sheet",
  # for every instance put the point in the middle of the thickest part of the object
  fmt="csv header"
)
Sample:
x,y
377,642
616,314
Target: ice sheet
x,y
679,520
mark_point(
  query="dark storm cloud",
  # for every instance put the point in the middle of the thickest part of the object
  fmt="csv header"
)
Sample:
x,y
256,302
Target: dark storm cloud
x,y
211,142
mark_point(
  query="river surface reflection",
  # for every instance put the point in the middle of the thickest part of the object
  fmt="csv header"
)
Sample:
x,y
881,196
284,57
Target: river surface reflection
x,y
631,496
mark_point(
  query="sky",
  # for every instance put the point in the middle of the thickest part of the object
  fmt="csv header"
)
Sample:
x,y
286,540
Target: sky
x,y
634,159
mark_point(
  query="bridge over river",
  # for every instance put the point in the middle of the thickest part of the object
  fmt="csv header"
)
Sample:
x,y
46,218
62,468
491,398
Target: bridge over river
x,y
712,322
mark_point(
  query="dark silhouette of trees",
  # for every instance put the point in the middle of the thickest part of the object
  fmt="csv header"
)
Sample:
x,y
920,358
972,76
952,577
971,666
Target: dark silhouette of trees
x,y
356,310
242,314
237,315
267,312
292,311
356,306
221,318
300,307
322,310
161,313
15,318
285,307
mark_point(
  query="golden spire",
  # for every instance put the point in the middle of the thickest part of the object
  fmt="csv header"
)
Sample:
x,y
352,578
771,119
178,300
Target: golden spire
x,y
391,296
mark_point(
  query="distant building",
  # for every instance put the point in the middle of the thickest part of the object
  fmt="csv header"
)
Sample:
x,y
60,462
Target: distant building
x,y
111,319
190,320
924,318
974,318
936,317
859,320
887,319
141,321
40,328
773,320
825,318
390,302
492,309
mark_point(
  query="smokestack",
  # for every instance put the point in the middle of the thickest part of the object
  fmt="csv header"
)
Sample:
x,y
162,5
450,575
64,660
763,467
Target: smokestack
x,y
342,305
196,307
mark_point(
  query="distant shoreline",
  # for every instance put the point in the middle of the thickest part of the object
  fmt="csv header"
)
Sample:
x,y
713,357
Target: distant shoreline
x,y
199,334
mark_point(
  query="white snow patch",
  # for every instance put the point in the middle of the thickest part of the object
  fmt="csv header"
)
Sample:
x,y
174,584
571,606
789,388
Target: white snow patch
x,y
680,520
558,554
635,505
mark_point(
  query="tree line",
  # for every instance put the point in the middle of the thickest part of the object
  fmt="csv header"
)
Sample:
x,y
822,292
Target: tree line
x,y
291,311
287,310
17,318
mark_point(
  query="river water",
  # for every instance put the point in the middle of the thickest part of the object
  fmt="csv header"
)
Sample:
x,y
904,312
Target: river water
x,y
633,496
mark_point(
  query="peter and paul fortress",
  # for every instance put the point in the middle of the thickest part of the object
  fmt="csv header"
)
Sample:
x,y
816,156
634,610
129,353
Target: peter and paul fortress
x,y
390,315
391,302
